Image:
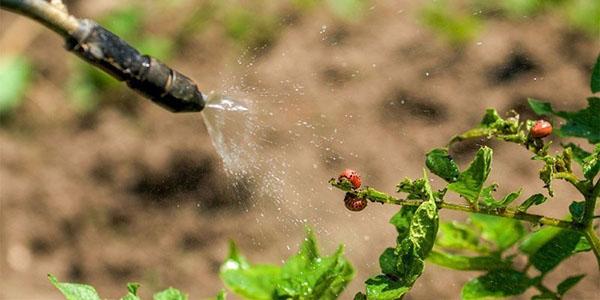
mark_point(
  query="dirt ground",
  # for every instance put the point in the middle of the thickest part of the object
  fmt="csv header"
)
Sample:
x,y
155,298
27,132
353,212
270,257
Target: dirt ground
x,y
140,194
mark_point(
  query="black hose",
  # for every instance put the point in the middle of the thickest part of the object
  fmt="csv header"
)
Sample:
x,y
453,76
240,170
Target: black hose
x,y
102,48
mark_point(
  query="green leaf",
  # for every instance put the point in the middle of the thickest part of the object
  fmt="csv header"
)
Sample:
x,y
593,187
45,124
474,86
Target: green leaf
x,y
591,164
414,188
256,282
595,80
382,287
535,240
388,261
552,252
404,264
488,199
493,125
582,246
467,263
360,296
441,164
503,232
222,295
535,199
15,75
584,123
540,108
74,291
457,236
170,294
132,288
401,220
305,275
578,153
577,210
568,283
470,182
496,283
309,276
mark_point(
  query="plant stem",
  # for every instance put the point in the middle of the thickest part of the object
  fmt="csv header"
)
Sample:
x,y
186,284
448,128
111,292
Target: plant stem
x,y
588,220
545,290
594,241
376,196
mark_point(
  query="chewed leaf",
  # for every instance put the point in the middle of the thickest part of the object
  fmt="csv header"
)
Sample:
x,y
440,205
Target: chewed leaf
x,y
591,164
535,199
74,291
492,125
382,287
488,199
470,182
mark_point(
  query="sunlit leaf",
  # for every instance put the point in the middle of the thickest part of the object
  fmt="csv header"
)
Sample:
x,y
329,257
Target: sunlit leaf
x,y
470,182
170,294
74,291
132,289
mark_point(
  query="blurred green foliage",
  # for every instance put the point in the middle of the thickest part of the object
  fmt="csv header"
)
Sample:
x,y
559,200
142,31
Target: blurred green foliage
x,y
15,76
456,26
460,23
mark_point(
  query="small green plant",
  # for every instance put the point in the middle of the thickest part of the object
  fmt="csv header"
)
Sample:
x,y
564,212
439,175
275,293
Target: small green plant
x,y
306,275
461,23
15,74
490,241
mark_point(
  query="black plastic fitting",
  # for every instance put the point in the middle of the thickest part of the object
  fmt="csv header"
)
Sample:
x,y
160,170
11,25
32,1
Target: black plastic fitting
x,y
144,74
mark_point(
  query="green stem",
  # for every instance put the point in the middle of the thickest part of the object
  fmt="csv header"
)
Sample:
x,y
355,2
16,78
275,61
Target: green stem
x,y
594,241
588,219
373,195
572,179
545,290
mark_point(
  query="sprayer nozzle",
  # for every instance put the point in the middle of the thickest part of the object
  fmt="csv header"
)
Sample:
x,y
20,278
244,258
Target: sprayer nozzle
x,y
147,75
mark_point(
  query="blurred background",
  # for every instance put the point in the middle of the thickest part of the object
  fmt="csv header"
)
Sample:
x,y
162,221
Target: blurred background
x,y
98,185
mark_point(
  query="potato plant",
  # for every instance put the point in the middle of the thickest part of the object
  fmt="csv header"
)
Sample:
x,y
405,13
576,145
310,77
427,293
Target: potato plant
x,y
490,241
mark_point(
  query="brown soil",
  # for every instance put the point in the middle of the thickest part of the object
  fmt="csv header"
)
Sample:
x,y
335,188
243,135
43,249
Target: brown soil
x,y
139,194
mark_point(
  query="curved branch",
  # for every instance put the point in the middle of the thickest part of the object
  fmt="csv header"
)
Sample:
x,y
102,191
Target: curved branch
x,y
380,197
